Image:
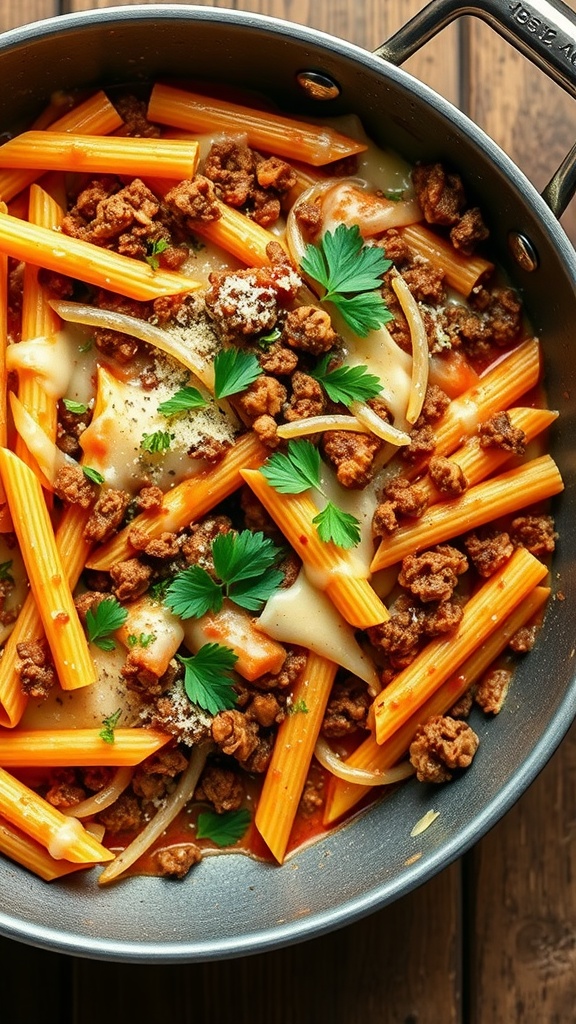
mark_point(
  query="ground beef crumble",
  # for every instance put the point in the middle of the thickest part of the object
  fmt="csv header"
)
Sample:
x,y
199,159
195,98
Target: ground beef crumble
x,y
440,746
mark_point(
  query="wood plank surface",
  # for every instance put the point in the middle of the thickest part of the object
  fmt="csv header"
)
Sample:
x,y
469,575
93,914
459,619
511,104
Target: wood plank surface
x,y
492,939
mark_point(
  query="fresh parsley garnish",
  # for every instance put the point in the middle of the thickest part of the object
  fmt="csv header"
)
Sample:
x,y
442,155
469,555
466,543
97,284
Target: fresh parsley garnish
x,y
207,679
103,620
140,639
351,272
234,371
298,708
159,441
155,249
93,475
223,829
5,573
108,725
157,590
395,194
346,384
265,340
183,400
296,471
78,408
245,569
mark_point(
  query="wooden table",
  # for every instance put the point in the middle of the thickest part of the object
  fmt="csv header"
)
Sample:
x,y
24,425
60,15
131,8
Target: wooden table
x,y
492,939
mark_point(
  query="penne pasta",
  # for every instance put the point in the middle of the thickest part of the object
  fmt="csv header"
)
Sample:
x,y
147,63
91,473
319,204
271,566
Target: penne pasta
x,y
102,267
273,133
503,494
292,755
68,151
20,848
462,272
371,756
38,748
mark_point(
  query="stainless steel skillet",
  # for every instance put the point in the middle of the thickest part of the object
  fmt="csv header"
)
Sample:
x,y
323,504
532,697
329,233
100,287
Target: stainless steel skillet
x,y
231,906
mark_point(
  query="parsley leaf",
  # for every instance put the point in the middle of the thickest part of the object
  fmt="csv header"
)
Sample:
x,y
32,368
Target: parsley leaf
x,y
346,384
300,707
234,371
294,472
244,566
192,593
78,408
140,639
108,725
340,527
93,475
154,251
351,272
182,400
207,678
5,573
223,829
103,620
159,441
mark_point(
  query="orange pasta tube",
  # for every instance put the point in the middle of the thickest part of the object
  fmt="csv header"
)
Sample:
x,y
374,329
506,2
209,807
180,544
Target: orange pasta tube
x,y
5,520
64,838
333,570
273,133
292,755
46,573
109,154
52,748
25,851
73,550
185,503
484,612
238,235
531,482
88,262
38,321
476,462
462,272
257,653
95,116
371,756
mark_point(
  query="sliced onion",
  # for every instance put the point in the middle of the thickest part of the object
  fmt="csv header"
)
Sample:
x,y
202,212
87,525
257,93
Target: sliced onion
x,y
48,455
154,829
166,341
376,425
318,424
329,760
104,797
420,352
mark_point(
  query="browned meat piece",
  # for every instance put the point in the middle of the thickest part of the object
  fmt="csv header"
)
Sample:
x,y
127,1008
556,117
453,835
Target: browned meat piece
x,y
278,360
231,166
435,404
440,746
73,487
439,193
133,112
400,635
491,691
536,533
422,444
65,794
347,708
426,283
197,548
265,396
384,520
489,553
70,428
309,329
35,668
242,302
149,499
447,476
164,547
123,816
307,398
312,798
433,575
152,777
236,734
523,641
114,214
130,579
265,709
176,861
501,311
309,218
89,601
469,231
274,173
266,430
222,788
405,498
498,432
107,515
442,618
194,200
352,455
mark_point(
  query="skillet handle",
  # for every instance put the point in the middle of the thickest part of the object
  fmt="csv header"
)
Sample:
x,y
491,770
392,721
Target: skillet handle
x,y
543,30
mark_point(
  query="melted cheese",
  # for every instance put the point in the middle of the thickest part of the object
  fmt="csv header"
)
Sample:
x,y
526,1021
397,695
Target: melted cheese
x,y
302,615
64,838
